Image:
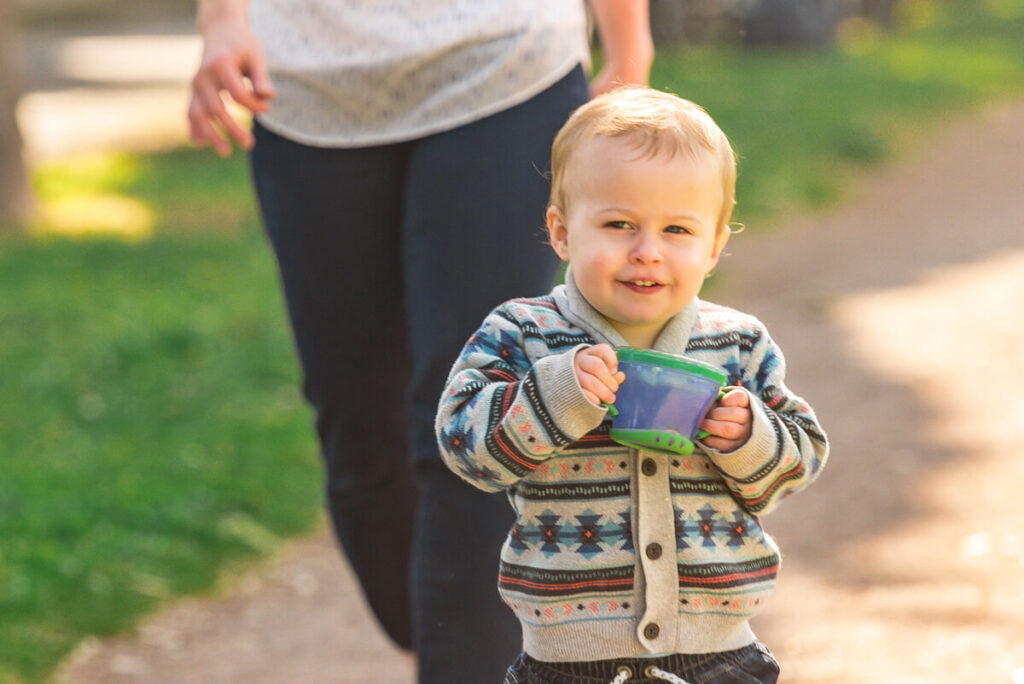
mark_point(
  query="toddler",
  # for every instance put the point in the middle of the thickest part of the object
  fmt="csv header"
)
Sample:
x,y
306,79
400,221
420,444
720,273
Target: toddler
x,y
626,565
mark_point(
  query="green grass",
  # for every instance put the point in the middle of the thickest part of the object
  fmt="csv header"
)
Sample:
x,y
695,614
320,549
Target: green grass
x,y
151,431
806,122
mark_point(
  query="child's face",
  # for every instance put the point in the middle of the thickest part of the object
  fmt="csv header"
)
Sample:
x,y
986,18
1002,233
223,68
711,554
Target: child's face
x,y
639,233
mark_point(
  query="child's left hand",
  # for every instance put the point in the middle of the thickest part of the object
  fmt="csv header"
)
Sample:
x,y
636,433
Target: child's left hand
x,y
729,422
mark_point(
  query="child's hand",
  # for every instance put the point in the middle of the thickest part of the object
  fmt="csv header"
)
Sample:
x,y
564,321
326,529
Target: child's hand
x,y
597,369
729,422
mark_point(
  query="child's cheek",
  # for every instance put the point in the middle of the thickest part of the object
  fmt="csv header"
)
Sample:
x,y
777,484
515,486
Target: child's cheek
x,y
602,262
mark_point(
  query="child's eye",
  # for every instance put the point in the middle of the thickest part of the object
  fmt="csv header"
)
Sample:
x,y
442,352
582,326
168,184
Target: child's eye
x,y
622,225
676,229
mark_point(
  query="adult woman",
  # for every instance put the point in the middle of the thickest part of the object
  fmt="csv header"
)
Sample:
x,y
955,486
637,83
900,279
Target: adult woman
x,y
404,146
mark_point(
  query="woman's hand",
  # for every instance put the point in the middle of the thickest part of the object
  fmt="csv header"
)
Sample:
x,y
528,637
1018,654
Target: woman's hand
x,y
232,62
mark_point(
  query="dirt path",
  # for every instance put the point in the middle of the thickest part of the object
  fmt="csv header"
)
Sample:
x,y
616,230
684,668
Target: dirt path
x,y
901,317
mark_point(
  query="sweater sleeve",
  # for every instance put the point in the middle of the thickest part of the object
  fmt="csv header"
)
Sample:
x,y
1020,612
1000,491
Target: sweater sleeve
x,y
787,446
501,415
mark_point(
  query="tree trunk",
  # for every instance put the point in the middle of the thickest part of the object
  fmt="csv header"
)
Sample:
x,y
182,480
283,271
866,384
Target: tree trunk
x,y
795,22
878,10
681,22
668,22
758,22
15,196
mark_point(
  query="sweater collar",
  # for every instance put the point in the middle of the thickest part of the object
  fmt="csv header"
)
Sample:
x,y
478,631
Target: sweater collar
x,y
578,310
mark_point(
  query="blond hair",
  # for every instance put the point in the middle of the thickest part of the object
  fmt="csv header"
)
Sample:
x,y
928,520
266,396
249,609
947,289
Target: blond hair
x,y
659,123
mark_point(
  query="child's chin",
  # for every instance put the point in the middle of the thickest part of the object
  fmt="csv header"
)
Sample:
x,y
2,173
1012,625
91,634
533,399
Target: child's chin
x,y
641,321
636,323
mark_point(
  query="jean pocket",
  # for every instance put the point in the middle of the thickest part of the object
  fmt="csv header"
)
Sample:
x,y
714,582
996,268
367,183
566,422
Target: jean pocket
x,y
754,664
760,663
515,674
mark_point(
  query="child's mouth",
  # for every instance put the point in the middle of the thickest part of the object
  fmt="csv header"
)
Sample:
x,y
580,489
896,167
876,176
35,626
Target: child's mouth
x,y
643,286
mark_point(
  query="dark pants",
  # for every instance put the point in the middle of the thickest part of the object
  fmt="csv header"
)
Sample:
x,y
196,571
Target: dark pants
x,y
390,257
752,664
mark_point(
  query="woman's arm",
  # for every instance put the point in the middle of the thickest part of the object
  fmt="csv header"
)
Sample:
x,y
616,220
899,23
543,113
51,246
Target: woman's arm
x,y
624,27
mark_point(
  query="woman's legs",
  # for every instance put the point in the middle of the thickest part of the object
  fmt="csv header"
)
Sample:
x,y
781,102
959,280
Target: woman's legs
x,y
473,237
333,218
471,216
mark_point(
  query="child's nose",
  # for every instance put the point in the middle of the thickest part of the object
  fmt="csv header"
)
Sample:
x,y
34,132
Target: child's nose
x,y
645,250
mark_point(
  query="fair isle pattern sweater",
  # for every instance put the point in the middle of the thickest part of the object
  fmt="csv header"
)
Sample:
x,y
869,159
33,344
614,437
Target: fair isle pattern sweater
x,y
619,552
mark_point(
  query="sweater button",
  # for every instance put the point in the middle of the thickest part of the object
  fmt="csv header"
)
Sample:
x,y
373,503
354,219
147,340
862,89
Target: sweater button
x,y
654,551
648,467
651,631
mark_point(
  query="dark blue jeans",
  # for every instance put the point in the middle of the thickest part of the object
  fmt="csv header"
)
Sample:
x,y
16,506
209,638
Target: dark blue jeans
x,y
390,258
753,664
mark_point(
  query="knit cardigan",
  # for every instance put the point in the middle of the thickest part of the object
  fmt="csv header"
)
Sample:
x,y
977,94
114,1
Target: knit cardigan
x,y
615,551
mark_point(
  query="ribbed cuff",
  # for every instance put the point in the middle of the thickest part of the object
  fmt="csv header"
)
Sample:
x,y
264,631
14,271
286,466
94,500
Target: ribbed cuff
x,y
751,457
563,396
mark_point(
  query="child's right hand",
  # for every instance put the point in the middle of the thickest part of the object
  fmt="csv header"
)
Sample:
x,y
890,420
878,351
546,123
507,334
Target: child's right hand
x,y
597,369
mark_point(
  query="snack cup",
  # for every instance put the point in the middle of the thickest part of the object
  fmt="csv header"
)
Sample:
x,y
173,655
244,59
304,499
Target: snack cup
x,y
663,400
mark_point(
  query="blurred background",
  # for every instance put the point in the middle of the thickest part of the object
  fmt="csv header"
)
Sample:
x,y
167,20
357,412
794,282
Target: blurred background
x,y
153,443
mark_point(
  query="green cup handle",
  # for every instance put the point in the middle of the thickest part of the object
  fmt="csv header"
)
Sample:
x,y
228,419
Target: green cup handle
x,y
612,411
701,434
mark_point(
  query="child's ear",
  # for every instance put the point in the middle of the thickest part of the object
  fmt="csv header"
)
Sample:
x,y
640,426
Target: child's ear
x,y
720,241
558,232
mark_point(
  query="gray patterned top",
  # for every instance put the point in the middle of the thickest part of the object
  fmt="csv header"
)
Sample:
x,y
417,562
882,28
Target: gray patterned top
x,y
354,73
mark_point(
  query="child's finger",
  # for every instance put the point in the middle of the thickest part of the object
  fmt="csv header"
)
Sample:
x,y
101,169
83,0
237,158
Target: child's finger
x,y
729,414
595,387
606,354
597,367
725,429
720,444
735,397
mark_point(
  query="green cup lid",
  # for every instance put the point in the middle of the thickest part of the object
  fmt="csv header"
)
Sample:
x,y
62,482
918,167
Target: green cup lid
x,y
672,361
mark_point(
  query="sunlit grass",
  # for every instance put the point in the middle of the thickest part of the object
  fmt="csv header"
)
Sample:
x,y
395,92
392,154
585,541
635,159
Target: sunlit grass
x,y
807,122
178,192
96,215
152,428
